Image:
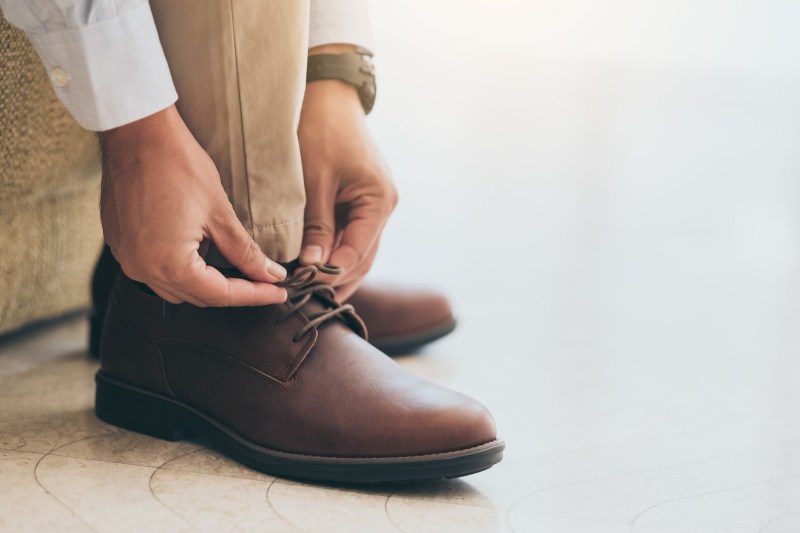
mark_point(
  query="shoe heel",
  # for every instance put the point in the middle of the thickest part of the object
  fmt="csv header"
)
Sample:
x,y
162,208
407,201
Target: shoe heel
x,y
136,411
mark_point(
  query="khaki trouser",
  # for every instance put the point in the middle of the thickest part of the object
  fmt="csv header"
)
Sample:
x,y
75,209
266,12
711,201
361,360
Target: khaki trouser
x,y
239,68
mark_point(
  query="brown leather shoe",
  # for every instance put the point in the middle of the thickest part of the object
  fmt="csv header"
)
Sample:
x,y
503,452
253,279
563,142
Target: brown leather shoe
x,y
290,389
399,320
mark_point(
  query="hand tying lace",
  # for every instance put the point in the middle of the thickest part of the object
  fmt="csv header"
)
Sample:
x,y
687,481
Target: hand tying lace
x,y
302,289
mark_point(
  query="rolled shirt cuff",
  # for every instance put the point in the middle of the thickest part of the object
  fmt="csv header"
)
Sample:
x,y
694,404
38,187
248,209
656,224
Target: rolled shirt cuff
x,y
110,73
340,22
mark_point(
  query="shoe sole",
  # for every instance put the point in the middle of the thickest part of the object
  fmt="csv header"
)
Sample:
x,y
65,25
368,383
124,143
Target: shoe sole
x,y
145,412
410,343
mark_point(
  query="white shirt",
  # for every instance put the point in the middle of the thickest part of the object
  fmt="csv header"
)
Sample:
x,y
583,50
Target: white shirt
x,y
105,60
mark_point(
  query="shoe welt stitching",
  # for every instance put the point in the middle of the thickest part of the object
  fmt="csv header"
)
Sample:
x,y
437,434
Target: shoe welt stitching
x,y
304,348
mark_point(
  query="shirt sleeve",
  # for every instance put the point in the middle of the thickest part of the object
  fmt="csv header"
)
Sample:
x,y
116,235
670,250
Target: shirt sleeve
x,y
340,21
104,58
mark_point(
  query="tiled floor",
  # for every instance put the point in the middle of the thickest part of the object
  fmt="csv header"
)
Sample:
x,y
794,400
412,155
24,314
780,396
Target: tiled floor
x,y
618,223
627,441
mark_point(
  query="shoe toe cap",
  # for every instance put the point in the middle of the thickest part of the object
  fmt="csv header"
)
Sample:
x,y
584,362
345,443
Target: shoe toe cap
x,y
453,421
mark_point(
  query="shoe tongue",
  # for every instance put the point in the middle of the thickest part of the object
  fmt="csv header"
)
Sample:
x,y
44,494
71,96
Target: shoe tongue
x,y
319,303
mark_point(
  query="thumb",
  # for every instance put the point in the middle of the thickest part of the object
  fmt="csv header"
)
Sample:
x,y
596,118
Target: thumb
x,y
241,250
318,230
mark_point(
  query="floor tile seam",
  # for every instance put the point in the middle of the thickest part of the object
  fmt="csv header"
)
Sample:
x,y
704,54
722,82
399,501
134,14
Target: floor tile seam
x,y
655,529
155,467
711,492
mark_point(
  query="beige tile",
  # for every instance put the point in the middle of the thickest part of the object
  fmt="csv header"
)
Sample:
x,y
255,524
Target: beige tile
x,y
205,461
25,505
319,508
46,433
108,496
215,502
428,516
497,488
127,447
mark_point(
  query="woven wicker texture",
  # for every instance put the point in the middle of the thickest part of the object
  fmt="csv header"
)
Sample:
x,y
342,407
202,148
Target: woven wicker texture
x,y
49,186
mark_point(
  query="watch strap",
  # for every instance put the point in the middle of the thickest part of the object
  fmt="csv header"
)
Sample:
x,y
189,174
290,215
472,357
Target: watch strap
x,y
355,69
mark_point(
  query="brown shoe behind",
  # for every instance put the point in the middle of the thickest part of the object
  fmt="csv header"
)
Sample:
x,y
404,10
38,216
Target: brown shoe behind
x,y
399,320
281,394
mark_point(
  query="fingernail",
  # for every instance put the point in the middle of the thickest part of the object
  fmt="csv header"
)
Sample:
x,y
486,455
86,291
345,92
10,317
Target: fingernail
x,y
276,270
312,254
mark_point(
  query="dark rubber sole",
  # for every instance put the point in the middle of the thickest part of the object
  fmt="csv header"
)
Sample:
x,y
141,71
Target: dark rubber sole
x,y
138,410
401,345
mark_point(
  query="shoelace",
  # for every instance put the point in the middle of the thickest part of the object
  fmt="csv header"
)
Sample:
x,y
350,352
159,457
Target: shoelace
x,y
303,289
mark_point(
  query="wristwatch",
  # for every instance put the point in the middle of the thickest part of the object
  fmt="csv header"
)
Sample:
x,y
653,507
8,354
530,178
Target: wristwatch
x,y
355,68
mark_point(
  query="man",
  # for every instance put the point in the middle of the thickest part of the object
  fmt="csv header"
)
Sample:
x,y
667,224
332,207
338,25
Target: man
x,y
206,202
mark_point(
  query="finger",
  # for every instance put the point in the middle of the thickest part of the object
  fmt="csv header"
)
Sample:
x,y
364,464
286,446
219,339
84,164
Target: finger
x,y
319,227
357,274
188,298
359,236
240,249
204,285
158,288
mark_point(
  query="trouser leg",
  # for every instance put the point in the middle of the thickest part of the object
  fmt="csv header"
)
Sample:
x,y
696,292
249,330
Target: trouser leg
x,y
239,69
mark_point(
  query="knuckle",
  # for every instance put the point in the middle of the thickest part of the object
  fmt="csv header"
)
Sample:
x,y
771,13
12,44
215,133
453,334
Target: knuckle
x,y
250,251
204,300
151,266
393,196
317,225
221,298
133,271
387,195
171,271
224,216
166,296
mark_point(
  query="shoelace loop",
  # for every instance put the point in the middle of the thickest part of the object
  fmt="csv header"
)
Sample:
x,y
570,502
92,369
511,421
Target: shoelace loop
x,y
303,288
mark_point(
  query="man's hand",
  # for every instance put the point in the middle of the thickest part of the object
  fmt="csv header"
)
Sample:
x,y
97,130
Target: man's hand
x,y
161,204
349,193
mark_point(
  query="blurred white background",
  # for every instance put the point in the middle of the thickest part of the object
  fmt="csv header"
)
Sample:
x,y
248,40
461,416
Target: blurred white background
x,y
610,191
638,160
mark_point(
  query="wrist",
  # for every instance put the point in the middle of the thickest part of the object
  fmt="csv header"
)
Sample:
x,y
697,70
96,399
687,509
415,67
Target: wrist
x,y
150,128
343,94
336,48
